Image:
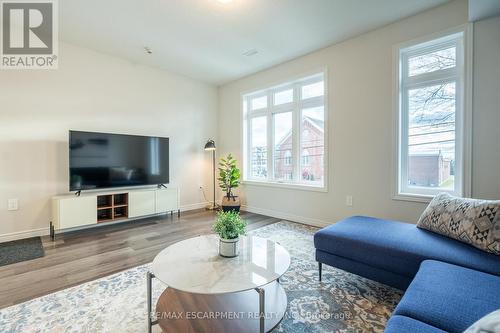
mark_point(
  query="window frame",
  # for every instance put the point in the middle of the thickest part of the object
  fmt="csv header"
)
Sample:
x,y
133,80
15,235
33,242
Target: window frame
x,y
295,107
460,37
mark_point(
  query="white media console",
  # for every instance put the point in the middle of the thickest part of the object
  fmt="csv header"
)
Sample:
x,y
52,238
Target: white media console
x,y
95,208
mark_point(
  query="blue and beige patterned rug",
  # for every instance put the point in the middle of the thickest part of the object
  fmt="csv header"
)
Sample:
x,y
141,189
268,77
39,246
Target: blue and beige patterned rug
x,y
343,302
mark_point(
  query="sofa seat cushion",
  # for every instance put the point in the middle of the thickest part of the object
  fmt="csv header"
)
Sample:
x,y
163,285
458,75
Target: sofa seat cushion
x,y
398,247
356,267
402,324
449,297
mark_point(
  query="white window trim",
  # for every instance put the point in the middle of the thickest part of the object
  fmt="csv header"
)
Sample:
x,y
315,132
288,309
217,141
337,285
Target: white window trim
x,y
464,123
311,102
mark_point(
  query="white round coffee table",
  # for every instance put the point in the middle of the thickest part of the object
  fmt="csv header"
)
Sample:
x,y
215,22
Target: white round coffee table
x,y
209,293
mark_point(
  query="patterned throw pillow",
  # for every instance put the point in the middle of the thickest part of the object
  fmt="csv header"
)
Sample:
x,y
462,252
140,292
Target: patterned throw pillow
x,y
472,221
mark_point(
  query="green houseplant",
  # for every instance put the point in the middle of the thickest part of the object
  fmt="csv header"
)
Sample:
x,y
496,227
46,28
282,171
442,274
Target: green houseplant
x,y
229,226
229,179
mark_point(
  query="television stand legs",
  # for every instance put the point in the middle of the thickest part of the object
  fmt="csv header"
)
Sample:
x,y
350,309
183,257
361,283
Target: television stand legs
x,y
178,213
52,231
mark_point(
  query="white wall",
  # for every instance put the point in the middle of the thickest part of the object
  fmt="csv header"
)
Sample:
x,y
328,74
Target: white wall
x,y
486,116
360,123
92,91
95,92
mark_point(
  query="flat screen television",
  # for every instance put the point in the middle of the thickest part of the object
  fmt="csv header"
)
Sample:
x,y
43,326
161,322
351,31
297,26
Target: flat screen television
x,y
103,160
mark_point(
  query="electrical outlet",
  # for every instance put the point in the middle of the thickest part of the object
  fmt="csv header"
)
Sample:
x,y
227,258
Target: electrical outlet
x,y
13,204
348,200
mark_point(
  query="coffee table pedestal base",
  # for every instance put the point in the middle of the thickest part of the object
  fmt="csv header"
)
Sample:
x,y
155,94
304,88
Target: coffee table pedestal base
x,y
233,312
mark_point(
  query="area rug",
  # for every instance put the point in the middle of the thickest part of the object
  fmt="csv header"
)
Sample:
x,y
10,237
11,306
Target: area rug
x,y
343,302
21,250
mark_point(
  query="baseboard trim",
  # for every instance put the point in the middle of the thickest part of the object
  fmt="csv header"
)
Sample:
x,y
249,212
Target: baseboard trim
x,y
199,205
45,231
24,234
286,216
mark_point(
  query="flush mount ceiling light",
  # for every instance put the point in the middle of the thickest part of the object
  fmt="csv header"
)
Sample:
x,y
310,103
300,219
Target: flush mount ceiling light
x,y
250,52
148,50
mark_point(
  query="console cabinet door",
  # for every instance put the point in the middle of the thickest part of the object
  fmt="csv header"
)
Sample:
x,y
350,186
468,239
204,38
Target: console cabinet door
x,y
167,200
79,211
141,203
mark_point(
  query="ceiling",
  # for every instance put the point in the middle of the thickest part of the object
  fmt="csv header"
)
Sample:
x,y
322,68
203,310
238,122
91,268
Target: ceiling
x,y
481,9
206,39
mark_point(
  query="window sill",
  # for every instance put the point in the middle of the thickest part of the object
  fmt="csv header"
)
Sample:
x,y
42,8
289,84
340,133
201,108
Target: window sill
x,y
302,187
424,198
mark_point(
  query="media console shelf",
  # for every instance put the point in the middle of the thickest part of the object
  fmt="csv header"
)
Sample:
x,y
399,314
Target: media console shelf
x,y
95,208
112,207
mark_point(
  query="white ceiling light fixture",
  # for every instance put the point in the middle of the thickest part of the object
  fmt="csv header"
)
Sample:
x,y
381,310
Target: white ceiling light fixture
x,y
250,52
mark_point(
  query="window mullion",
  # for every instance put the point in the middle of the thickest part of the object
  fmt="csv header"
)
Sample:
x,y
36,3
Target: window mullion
x,y
270,138
411,86
249,147
431,78
459,118
312,102
296,134
259,113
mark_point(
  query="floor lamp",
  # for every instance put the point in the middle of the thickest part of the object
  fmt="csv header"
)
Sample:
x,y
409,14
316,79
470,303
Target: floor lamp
x,y
210,146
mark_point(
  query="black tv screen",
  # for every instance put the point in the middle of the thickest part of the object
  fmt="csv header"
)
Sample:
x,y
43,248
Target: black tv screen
x,y
101,160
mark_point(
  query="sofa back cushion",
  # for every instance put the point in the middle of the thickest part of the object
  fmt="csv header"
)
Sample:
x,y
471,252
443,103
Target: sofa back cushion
x,y
472,221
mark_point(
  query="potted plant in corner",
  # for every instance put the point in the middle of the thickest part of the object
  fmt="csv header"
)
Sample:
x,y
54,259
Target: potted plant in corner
x,y
229,179
229,226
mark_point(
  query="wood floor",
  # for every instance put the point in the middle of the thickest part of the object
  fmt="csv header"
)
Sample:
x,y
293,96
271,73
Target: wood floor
x,y
86,255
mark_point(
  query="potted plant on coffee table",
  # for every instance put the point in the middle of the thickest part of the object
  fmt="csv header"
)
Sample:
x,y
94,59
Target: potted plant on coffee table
x,y
229,179
229,226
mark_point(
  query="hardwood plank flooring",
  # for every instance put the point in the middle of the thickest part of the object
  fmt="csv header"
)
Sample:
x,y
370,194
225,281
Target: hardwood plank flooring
x,y
86,255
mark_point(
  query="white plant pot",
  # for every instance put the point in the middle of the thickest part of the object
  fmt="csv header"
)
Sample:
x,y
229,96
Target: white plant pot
x,y
229,248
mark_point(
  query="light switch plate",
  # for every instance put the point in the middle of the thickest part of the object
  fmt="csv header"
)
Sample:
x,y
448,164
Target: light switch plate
x,y
348,200
13,204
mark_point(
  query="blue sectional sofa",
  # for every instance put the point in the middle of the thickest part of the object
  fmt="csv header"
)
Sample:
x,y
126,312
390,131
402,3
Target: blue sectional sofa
x,y
449,284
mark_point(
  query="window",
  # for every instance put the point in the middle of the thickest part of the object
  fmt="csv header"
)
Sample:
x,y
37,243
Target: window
x,y
258,149
282,128
430,117
283,97
284,138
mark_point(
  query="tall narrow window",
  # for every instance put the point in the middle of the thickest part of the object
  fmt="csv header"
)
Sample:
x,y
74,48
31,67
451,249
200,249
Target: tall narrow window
x,y
430,152
285,133
282,144
258,150
312,145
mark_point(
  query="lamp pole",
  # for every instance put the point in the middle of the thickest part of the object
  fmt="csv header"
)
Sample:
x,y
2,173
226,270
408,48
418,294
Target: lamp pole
x,y
210,145
214,206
